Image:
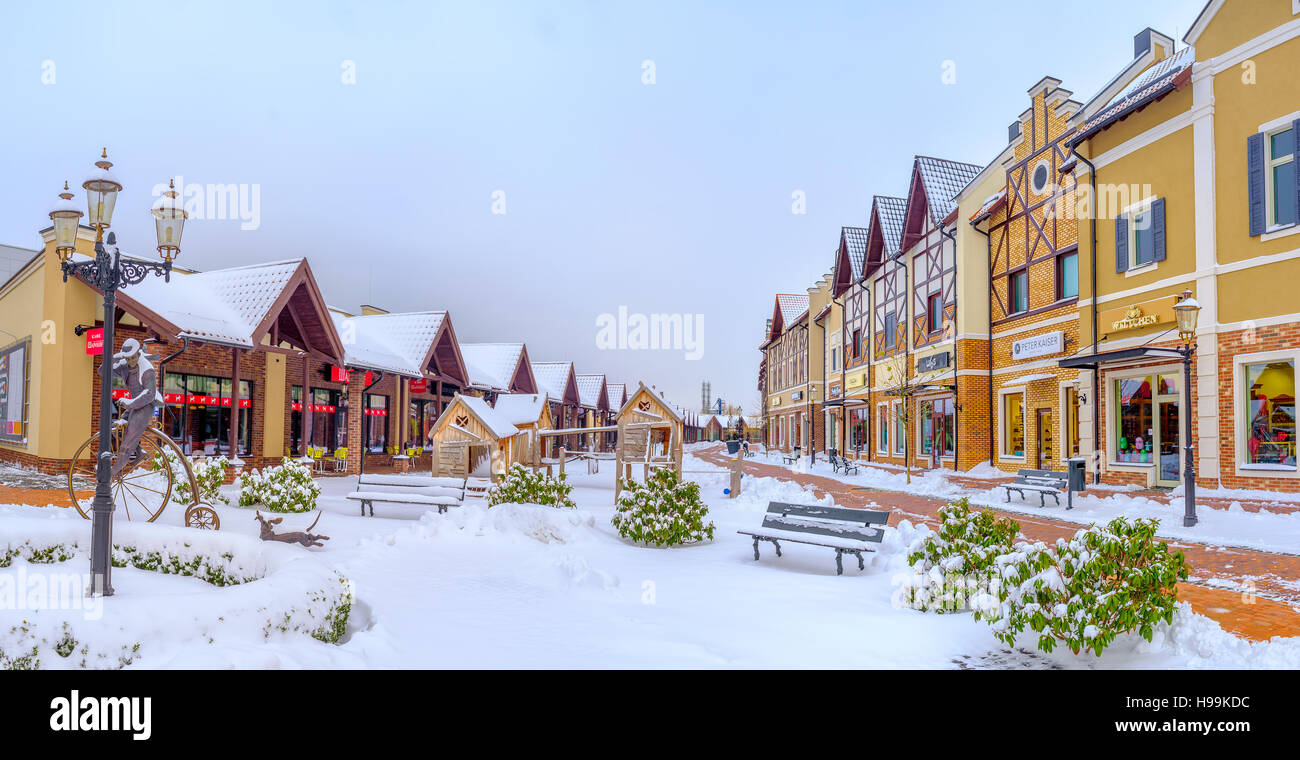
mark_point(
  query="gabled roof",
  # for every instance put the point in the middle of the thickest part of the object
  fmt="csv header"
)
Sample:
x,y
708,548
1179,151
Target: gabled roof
x,y
850,257
407,344
788,309
557,380
496,366
936,182
592,392
885,236
616,393
496,422
1160,79
667,405
238,306
521,408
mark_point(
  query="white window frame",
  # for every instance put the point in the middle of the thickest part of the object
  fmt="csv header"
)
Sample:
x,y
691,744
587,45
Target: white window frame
x,y
900,442
1018,390
1112,412
882,413
1240,411
1270,163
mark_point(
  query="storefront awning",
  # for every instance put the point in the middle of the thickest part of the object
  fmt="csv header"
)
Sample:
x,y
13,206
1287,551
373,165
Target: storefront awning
x,y
1027,379
846,402
1139,353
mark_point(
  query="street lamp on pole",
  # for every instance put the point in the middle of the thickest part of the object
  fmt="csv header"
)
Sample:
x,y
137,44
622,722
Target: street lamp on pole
x,y
108,272
1186,312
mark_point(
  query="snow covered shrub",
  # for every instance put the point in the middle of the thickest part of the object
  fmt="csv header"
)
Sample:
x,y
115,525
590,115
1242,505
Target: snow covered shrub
x,y
523,486
664,511
287,488
209,473
1103,582
953,568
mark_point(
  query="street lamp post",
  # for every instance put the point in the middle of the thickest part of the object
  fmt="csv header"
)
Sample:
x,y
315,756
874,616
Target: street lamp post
x,y
1186,312
109,271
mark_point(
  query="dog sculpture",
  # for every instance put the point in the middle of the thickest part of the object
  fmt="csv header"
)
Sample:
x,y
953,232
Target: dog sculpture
x,y
304,537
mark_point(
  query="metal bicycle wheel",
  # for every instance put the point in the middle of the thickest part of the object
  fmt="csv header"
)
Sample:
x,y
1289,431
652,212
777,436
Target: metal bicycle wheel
x,y
142,489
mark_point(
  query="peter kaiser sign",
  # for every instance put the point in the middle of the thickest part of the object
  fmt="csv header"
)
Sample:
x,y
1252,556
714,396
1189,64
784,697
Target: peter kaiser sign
x,y
1039,345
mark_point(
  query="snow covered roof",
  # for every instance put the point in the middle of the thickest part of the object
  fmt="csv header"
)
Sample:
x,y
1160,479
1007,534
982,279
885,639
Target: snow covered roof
x,y
397,343
942,181
520,408
792,306
495,421
1163,77
589,390
223,305
491,365
553,378
889,211
855,240
616,392
989,206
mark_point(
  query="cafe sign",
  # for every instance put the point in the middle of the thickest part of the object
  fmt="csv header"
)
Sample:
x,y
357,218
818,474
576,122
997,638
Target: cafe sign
x,y
857,380
1157,311
933,362
796,396
1038,345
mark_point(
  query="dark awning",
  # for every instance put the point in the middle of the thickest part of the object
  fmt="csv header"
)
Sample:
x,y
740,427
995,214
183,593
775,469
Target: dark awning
x,y
1140,353
846,402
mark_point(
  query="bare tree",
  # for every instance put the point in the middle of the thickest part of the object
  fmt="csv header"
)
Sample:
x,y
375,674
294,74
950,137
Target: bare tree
x,y
899,384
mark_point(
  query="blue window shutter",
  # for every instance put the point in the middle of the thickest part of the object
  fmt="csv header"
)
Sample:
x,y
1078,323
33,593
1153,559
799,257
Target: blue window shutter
x,y
1255,182
1121,243
1158,228
1295,130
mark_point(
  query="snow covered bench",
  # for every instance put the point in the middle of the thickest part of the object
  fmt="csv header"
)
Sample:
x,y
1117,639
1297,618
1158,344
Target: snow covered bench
x,y
842,463
1042,482
792,457
410,490
847,531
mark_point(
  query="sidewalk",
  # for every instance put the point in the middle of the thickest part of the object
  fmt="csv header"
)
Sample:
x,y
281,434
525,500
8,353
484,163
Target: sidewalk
x,y
1219,576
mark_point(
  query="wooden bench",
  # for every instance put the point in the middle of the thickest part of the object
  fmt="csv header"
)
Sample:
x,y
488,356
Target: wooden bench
x,y
847,531
1042,482
477,488
842,463
410,490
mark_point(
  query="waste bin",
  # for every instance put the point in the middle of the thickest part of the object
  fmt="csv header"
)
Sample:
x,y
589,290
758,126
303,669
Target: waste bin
x,y
733,447
1077,474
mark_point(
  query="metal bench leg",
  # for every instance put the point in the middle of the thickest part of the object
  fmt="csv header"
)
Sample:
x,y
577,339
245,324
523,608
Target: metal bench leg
x,y
755,548
861,565
839,562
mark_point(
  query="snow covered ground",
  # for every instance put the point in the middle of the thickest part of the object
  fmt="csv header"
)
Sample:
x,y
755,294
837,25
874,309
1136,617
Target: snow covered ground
x,y
1275,527
535,587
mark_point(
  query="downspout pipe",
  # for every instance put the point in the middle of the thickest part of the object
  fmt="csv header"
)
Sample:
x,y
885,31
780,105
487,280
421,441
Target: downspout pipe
x,y
988,239
1096,370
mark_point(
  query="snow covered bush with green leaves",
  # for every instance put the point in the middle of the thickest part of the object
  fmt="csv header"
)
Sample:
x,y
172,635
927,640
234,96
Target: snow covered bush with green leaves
x,y
1103,582
209,473
952,569
287,488
664,511
521,485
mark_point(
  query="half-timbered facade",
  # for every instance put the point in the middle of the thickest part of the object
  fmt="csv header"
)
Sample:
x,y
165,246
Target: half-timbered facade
x,y
787,367
886,278
1034,288
847,379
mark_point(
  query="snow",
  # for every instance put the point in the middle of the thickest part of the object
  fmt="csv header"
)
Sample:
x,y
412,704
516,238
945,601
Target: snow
x,y
398,343
553,378
536,587
491,365
520,408
590,388
493,420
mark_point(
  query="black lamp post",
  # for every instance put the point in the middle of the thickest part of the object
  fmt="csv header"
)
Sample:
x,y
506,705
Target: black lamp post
x,y
108,272
1185,312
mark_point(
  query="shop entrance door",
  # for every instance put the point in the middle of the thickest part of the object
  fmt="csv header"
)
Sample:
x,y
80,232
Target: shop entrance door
x,y
1170,460
1044,453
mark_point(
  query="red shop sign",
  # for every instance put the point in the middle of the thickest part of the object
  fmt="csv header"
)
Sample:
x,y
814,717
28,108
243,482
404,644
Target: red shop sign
x,y
420,386
376,412
95,342
343,375
180,398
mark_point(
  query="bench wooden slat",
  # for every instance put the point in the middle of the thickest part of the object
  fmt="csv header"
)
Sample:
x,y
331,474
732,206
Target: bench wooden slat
x,y
862,516
840,530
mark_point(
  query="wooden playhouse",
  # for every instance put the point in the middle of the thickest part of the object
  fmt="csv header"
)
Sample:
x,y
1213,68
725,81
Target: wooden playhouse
x,y
650,434
471,435
530,414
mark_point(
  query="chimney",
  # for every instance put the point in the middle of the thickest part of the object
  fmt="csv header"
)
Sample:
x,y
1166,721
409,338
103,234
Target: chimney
x,y
1148,39
1013,132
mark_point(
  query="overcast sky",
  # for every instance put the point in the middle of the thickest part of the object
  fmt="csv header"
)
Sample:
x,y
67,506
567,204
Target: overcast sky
x,y
672,197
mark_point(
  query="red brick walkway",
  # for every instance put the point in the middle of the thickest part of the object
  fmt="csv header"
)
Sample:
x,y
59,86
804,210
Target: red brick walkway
x,y
1273,609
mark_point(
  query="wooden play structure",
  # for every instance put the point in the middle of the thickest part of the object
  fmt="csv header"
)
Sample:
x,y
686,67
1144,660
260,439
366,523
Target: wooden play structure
x,y
650,434
467,432
531,415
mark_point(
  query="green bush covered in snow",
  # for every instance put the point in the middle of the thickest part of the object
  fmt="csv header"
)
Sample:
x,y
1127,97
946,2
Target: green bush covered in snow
x,y
664,511
287,488
521,485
